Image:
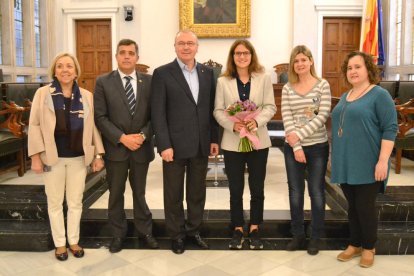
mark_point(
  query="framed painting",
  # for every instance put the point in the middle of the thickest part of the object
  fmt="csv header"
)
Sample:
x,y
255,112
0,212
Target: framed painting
x,y
216,18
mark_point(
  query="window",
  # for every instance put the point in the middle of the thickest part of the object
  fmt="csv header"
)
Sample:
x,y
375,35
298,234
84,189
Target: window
x,y
1,40
20,78
400,37
18,29
412,35
37,32
398,28
25,48
40,78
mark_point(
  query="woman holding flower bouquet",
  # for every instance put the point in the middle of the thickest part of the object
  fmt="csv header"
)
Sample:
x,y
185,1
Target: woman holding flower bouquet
x,y
243,106
306,103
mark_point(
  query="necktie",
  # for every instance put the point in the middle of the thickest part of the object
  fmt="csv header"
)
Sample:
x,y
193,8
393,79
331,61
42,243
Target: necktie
x,y
130,94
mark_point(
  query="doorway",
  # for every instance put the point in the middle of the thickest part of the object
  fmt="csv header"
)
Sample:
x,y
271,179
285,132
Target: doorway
x,y
93,49
341,35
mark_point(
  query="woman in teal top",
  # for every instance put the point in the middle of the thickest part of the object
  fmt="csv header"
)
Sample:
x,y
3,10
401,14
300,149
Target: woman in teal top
x,y
364,127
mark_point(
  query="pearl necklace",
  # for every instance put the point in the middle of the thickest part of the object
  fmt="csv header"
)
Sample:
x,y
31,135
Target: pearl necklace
x,y
343,110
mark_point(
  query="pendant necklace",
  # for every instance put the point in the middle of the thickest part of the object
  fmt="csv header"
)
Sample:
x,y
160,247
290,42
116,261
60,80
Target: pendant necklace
x,y
343,110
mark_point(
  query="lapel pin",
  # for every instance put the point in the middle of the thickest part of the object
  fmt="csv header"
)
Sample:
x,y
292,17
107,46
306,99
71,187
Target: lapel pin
x,y
140,80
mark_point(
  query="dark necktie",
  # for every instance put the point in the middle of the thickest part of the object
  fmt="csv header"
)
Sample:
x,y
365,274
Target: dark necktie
x,y
130,94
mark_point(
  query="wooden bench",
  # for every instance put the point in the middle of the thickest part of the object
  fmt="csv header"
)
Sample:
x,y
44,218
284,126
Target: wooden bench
x,y
14,118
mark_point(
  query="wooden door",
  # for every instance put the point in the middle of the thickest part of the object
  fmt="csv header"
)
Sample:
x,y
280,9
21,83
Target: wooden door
x,y
93,50
340,36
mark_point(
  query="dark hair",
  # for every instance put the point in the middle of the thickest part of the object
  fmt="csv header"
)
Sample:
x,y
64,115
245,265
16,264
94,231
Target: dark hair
x,y
373,72
126,42
254,66
300,49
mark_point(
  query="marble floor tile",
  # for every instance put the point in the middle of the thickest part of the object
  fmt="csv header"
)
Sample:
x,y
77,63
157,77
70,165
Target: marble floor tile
x,y
386,265
167,263
208,256
243,263
199,263
55,269
279,256
29,177
285,271
95,262
320,264
405,178
205,270
130,269
133,256
20,262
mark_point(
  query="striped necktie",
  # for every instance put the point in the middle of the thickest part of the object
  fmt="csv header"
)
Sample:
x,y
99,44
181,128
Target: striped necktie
x,y
130,94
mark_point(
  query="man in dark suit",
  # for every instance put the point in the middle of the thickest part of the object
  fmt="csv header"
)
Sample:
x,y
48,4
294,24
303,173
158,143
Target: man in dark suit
x,y
122,114
182,103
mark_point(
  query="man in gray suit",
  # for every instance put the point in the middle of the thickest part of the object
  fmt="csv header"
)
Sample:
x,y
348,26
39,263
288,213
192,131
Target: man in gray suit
x,y
182,103
122,114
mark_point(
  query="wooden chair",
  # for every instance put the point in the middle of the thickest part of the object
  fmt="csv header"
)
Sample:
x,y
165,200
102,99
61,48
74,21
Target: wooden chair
x,y
282,72
139,67
217,67
390,86
12,136
405,136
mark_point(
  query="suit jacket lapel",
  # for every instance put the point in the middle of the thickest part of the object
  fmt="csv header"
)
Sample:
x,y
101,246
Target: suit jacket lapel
x,y
233,89
140,86
119,86
254,88
177,73
202,84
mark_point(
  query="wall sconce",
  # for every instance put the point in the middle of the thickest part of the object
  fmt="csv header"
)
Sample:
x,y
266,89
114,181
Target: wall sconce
x,y
129,13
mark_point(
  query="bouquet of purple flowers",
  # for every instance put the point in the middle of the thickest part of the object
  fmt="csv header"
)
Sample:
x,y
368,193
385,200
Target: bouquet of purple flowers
x,y
241,112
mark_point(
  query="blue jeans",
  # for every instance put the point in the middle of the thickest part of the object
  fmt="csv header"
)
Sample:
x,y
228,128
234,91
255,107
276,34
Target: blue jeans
x,y
316,161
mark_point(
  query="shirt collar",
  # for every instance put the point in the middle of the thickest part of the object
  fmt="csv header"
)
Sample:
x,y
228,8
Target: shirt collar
x,y
183,66
133,75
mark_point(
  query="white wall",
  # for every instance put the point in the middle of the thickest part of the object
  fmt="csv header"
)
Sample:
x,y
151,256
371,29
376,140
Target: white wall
x,y
276,26
308,22
157,21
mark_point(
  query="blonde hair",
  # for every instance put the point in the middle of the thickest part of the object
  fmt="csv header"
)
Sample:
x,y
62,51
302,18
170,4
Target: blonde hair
x,y
300,49
52,67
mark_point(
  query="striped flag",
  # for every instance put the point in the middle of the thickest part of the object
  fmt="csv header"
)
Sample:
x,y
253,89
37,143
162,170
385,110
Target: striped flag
x,y
369,30
381,53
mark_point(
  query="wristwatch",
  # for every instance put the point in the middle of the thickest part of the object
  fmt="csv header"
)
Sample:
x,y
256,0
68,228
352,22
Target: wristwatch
x,y
143,135
98,156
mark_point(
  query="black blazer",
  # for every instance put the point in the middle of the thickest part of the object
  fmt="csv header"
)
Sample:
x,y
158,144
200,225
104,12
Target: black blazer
x,y
178,121
113,118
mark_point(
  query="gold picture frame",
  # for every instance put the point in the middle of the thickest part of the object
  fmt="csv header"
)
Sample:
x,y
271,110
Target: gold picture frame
x,y
216,18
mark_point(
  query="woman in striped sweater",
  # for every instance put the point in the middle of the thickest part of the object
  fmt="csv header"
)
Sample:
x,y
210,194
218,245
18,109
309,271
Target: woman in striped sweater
x,y
306,103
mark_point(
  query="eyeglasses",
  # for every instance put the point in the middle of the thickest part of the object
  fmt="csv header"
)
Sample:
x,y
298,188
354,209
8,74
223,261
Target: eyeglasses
x,y
188,43
239,54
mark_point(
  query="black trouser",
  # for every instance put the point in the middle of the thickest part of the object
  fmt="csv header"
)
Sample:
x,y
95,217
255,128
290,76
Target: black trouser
x,y
235,163
195,170
362,215
117,173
